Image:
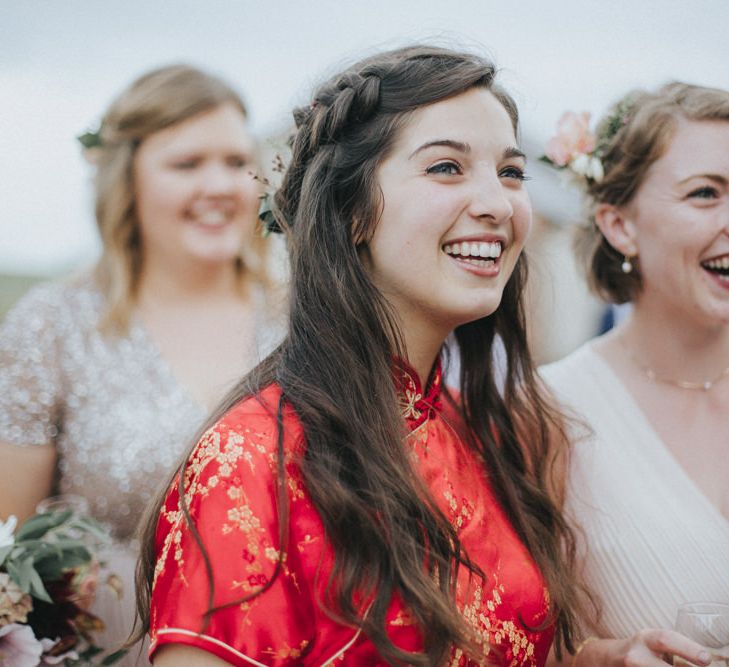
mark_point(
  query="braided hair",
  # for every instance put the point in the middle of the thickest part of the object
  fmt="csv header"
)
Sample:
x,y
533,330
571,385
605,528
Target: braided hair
x,y
334,368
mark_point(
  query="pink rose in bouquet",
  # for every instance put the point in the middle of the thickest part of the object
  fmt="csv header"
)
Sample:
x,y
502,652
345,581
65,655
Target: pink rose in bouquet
x,y
19,647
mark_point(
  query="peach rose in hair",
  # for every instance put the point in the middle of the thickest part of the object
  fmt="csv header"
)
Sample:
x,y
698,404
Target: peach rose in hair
x,y
573,138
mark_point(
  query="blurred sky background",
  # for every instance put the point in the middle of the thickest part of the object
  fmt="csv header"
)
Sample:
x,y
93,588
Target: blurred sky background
x,y
61,61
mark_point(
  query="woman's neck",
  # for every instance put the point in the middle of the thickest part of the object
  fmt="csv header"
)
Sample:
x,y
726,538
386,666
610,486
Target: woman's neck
x,y
195,283
421,350
678,348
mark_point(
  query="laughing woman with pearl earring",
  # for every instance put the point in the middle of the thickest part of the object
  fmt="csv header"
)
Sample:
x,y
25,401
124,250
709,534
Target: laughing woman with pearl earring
x,y
649,481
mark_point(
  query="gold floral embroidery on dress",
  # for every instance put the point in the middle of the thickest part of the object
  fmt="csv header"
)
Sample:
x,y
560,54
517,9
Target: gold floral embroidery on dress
x,y
416,405
307,542
408,399
493,634
287,651
460,516
231,452
417,443
403,618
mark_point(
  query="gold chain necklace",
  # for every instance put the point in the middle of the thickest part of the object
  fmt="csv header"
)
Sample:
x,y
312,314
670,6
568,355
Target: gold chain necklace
x,y
681,384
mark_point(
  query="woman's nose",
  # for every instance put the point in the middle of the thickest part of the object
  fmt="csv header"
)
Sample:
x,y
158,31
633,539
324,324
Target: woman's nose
x,y
218,179
490,200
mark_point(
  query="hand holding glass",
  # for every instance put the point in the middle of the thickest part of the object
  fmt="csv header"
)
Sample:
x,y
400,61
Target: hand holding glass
x,y
708,624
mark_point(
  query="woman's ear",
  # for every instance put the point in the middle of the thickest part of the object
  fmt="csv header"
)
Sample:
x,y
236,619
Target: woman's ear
x,y
617,228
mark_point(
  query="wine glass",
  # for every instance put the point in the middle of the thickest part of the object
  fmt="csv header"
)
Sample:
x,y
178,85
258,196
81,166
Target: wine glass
x,y
708,624
64,501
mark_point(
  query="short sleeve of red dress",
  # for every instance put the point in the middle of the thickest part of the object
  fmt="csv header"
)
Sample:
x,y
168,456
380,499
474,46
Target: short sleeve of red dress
x,y
230,488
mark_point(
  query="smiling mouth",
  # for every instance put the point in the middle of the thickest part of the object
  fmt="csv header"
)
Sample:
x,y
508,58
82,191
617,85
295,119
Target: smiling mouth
x,y
478,253
211,218
719,266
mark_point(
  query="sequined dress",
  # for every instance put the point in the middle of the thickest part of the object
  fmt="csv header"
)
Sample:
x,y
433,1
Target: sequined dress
x,y
230,489
111,406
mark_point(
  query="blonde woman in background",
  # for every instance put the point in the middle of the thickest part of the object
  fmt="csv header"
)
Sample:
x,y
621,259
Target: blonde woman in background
x,y
104,378
649,481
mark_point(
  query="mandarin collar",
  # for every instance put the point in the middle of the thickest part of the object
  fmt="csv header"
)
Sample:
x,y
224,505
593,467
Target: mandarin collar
x,y
417,405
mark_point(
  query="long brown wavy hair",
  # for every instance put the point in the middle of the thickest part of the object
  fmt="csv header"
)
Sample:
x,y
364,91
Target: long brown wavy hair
x,y
335,369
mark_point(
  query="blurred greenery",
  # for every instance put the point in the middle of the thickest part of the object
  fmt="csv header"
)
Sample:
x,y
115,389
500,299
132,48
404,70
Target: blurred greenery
x,y
13,286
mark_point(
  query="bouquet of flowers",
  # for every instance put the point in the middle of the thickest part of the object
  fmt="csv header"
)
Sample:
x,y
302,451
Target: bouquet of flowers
x,y
48,576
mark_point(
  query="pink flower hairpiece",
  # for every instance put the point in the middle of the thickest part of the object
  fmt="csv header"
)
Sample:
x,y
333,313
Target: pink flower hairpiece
x,y
574,147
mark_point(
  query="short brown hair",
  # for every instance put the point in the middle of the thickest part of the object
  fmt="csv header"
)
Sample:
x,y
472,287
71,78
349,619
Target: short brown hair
x,y
635,133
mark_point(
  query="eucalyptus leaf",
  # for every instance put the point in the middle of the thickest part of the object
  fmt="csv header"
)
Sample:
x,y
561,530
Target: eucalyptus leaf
x,y
90,652
31,545
40,524
50,568
37,589
18,552
53,566
4,551
91,526
67,544
21,572
114,657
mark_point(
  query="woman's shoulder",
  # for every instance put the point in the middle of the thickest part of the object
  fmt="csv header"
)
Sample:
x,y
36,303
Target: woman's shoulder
x,y
57,300
230,481
232,496
261,412
570,368
247,435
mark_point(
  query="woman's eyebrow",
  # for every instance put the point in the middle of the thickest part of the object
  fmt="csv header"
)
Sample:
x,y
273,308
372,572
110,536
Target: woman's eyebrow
x,y
451,143
513,151
510,152
712,177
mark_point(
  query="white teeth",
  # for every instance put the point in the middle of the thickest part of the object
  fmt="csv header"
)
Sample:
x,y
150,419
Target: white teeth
x,y
211,218
719,263
480,249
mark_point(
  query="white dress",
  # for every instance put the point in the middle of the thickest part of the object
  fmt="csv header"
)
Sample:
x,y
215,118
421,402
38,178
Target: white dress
x,y
111,407
653,540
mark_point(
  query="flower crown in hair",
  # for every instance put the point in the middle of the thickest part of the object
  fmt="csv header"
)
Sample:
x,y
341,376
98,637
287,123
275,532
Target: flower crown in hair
x,y
576,148
265,211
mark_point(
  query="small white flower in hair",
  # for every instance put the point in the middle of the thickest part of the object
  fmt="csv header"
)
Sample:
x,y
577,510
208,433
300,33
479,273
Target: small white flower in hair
x,y
596,171
580,164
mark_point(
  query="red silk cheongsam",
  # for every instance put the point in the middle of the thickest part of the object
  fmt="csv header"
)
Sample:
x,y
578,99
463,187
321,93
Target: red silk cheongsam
x,y
230,487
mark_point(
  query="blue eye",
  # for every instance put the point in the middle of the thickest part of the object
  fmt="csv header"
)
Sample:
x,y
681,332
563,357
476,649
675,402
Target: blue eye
x,y
514,172
449,168
706,192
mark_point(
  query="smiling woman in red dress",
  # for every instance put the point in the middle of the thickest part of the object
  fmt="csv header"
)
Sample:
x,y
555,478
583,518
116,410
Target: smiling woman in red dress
x,y
338,508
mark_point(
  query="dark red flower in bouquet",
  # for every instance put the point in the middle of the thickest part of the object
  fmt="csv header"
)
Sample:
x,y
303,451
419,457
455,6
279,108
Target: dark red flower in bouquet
x,y
63,618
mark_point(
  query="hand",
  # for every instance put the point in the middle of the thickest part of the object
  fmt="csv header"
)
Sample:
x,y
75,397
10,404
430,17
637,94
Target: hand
x,y
645,649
